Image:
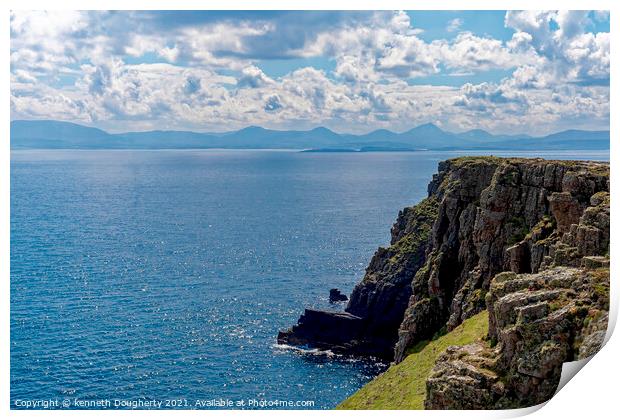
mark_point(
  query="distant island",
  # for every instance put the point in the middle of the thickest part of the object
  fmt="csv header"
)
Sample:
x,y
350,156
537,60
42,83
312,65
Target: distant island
x,y
363,149
50,134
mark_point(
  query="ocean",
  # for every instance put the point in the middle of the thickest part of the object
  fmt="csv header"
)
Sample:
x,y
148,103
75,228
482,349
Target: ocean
x,y
160,279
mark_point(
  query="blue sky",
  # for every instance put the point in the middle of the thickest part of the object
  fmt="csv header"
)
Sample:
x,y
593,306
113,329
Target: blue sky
x,y
533,72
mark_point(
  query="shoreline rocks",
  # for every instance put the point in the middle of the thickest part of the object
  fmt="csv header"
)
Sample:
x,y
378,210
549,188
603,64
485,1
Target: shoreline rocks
x,y
324,330
336,295
379,301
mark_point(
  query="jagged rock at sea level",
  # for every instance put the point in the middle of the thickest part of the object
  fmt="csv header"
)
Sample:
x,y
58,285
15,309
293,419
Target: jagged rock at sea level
x,y
378,302
336,295
324,330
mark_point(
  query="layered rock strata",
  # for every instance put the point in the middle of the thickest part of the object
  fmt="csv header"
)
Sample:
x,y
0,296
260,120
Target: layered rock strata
x,y
537,322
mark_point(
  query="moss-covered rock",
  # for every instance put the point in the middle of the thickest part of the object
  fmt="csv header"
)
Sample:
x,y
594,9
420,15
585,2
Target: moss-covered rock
x,y
502,214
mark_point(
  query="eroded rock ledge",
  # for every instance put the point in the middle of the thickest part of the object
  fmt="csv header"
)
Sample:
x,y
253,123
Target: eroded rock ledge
x,y
536,323
482,216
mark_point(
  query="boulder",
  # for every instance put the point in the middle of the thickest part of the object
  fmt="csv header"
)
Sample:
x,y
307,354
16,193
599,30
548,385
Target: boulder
x,y
336,295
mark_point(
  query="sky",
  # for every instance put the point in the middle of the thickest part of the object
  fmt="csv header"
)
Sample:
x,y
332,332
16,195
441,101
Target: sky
x,y
531,72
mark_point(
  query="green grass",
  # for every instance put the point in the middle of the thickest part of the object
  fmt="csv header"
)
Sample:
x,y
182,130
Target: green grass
x,y
403,386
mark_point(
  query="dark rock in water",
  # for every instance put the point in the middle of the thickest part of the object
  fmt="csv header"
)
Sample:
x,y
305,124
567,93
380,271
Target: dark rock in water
x,y
379,301
336,331
336,295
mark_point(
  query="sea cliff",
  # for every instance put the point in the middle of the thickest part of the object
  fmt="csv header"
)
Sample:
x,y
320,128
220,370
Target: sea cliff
x,y
525,239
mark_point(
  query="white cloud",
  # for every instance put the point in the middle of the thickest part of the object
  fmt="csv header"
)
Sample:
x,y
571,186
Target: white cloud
x,y
253,77
454,25
567,54
470,52
210,74
170,54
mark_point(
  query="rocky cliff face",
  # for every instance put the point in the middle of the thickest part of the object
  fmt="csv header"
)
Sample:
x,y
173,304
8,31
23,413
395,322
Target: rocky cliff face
x,y
536,323
483,216
501,214
369,324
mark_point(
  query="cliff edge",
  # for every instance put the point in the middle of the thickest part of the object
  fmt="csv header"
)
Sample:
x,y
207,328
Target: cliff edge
x,y
527,239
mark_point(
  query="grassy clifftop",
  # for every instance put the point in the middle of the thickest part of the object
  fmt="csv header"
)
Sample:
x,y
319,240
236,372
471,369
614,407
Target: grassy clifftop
x,y
402,386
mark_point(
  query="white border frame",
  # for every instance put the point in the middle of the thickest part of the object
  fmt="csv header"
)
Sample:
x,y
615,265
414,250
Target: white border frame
x,y
591,394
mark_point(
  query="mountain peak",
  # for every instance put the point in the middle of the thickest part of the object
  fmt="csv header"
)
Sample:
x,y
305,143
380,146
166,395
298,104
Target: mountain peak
x,y
253,128
427,128
250,129
54,129
476,132
381,131
322,130
428,125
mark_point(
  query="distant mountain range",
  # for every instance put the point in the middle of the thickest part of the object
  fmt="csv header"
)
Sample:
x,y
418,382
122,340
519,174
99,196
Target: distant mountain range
x,y
46,134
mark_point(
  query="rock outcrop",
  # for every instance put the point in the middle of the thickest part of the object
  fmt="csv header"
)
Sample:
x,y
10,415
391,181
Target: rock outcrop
x,y
337,331
482,216
498,214
336,295
369,324
536,323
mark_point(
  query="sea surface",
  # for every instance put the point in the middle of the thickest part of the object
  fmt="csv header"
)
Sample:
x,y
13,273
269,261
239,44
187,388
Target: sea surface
x,y
145,276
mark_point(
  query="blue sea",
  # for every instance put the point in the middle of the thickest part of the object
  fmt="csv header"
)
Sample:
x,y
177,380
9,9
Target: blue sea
x,y
146,276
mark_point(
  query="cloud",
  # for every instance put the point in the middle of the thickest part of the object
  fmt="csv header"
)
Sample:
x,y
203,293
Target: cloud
x,y
564,52
273,104
139,70
253,77
454,25
470,52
